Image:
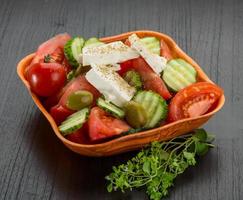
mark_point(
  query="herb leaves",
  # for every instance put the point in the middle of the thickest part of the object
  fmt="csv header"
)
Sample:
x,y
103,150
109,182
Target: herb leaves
x,y
156,166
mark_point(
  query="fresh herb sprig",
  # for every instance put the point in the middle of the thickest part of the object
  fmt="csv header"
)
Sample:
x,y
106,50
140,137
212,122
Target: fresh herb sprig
x,y
156,166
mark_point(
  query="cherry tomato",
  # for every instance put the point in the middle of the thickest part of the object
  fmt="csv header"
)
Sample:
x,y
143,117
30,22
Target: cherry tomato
x,y
165,50
46,79
102,125
151,80
194,100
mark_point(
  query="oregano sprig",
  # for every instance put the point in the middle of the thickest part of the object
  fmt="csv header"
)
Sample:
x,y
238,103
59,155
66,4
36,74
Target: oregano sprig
x,y
156,166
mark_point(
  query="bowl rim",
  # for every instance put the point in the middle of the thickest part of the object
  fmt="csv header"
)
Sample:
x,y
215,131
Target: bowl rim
x,y
22,65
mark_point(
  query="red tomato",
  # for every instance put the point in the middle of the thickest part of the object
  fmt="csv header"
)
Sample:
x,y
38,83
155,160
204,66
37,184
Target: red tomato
x,y
80,136
194,100
165,50
125,66
151,80
102,125
60,113
53,47
79,83
46,79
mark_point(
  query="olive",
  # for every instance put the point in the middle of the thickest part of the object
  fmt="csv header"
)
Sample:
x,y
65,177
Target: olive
x,y
79,99
135,114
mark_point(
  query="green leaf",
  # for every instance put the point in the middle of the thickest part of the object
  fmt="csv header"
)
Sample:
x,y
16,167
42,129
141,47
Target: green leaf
x,y
201,148
201,134
210,137
190,157
109,187
146,166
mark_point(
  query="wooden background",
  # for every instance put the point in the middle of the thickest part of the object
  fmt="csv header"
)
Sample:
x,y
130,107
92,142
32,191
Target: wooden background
x,y
35,165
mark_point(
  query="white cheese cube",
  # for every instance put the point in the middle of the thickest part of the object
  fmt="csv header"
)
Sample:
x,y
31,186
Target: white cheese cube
x,y
156,62
111,53
110,84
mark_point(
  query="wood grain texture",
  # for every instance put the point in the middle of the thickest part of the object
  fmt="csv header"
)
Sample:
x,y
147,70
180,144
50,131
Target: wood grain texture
x,y
35,165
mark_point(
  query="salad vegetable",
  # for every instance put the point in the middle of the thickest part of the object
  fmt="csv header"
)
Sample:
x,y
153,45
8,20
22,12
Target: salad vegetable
x,y
96,91
157,166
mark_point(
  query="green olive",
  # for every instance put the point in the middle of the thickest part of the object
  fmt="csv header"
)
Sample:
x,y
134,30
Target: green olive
x,y
79,99
135,114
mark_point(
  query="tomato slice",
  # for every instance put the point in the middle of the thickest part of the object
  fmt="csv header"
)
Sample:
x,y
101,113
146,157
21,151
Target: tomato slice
x,y
165,50
53,47
102,125
151,80
194,100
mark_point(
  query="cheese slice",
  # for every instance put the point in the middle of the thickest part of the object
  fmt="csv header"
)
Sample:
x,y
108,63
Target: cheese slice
x,y
156,62
110,84
111,53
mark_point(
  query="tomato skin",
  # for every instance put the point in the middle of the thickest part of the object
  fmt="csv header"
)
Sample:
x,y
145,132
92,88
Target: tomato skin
x,y
165,50
80,136
194,100
46,79
151,80
54,47
125,66
59,113
102,125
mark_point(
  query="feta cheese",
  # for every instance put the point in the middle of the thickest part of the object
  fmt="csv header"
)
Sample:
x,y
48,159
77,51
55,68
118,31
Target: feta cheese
x,y
156,62
110,84
111,53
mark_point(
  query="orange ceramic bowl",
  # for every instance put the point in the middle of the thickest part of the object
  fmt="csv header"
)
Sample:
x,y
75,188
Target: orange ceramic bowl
x,y
136,140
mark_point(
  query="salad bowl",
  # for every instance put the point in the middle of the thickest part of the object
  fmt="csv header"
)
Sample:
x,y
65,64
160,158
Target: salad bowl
x,y
136,140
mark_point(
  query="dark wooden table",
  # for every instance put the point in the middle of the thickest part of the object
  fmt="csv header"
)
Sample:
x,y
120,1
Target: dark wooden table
x,y
35,165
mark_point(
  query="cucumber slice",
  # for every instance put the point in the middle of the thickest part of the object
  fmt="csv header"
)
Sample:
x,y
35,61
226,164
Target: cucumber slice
x,y
154,105
110,108
74,122
92,42
73,49
152,43
133,78
179,74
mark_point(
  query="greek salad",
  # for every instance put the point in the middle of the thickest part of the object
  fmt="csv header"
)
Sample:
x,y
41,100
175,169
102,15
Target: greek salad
x,y
96,91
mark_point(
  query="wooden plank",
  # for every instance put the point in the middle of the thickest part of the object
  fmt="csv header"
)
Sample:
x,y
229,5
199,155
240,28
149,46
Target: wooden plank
x,y
35,165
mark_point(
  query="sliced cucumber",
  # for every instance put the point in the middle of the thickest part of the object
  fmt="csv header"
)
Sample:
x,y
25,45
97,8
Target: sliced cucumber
x,y
92,42
179,74
73,49
154,105
110,108
133,78
152,43
74,122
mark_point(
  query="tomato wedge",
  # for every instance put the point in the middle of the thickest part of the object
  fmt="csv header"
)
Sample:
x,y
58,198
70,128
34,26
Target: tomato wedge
x,y
60,111
53,47
151,80
80,136
194,100
102,125
125,66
